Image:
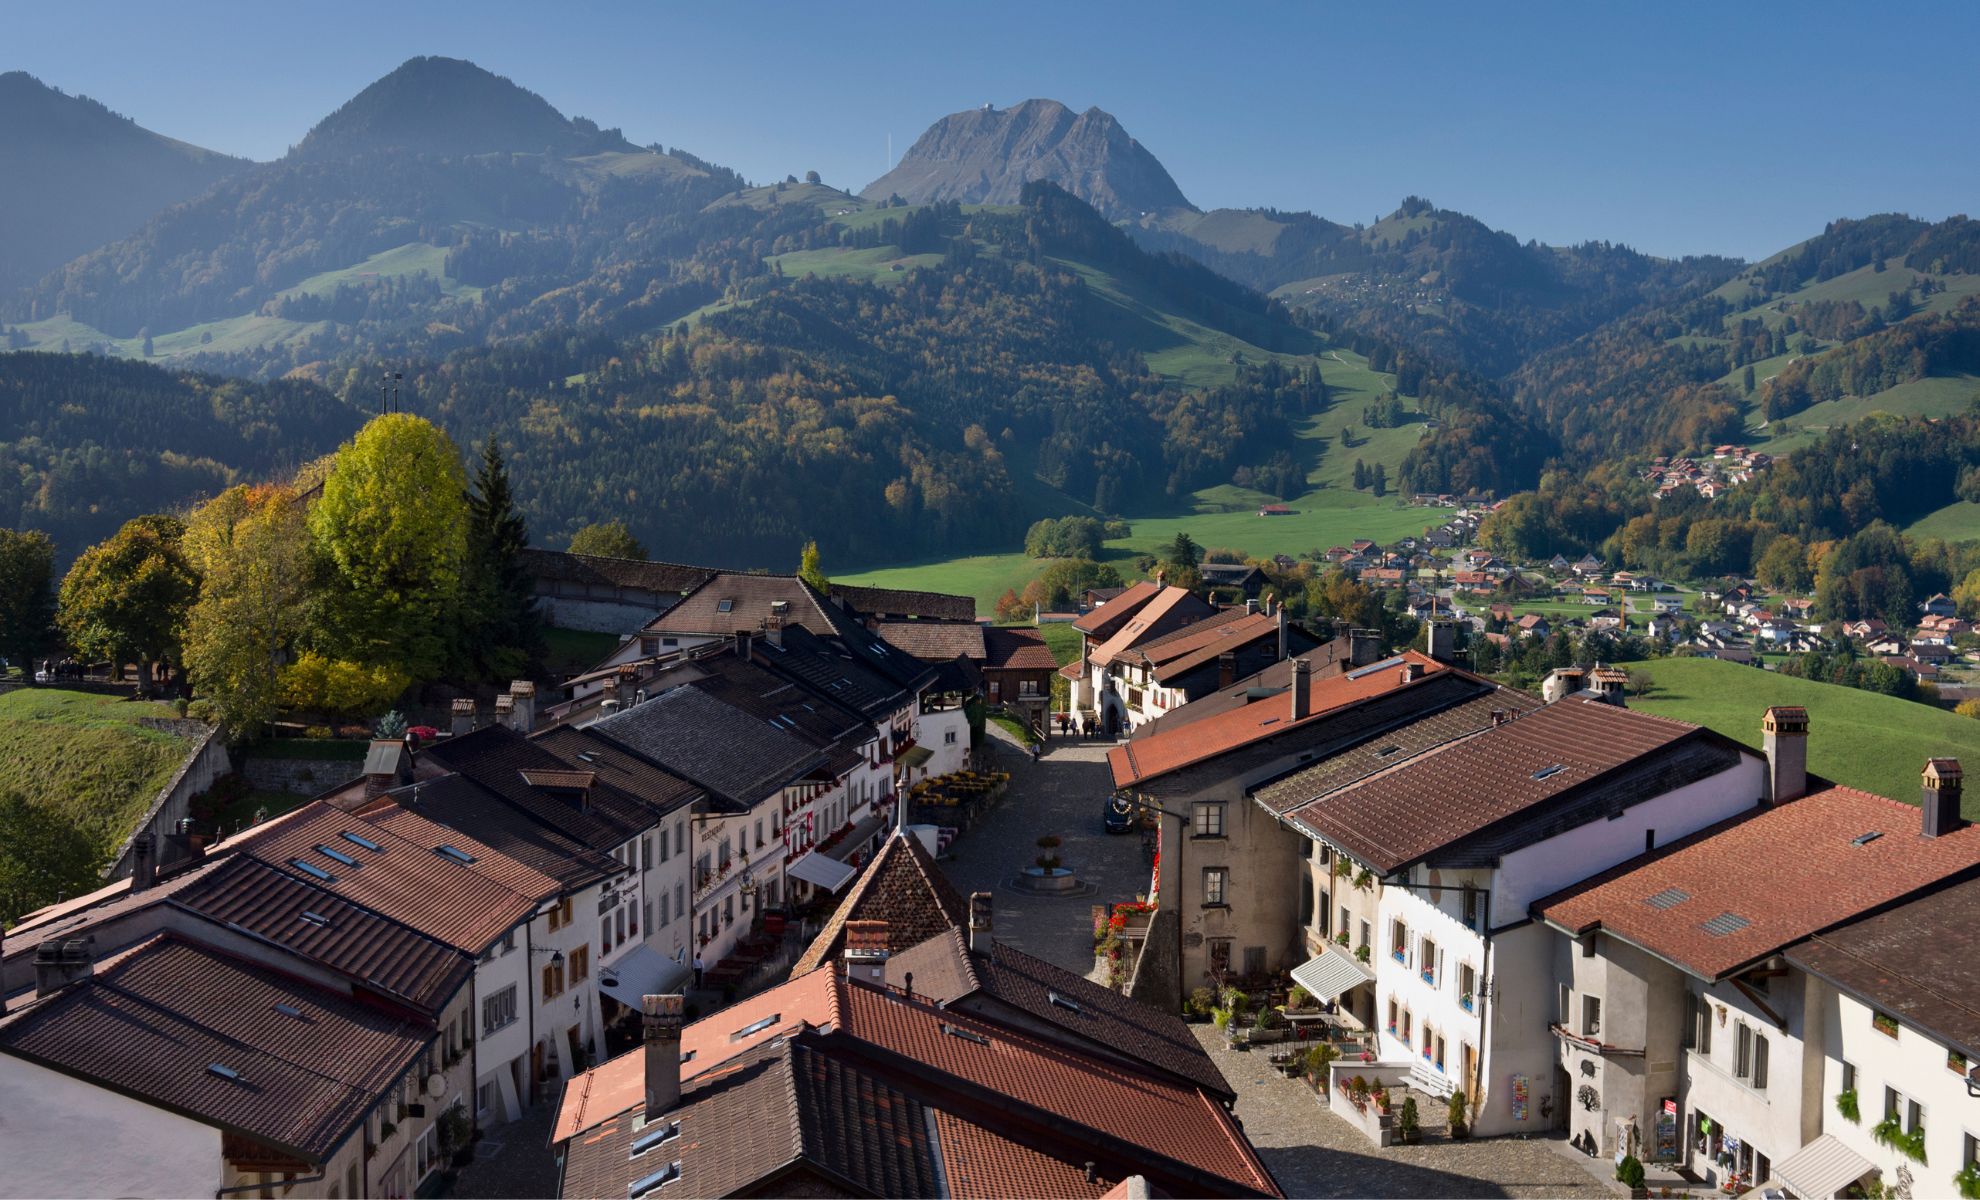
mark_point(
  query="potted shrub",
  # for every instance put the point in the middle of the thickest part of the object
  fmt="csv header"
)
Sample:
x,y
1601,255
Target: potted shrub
x,y
1629,1173
1341,939
1361,953
1198,1007
1318,1059
1358,1088
1456,1114
1266,1025
1966,1181
1408,1126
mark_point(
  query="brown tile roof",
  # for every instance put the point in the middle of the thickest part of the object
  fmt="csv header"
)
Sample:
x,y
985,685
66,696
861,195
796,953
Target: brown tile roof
x,y
594,570
1743,889
977,1162
154,1022
858,1100
1167,1124
935,641
1009,649
1170,749
1920,962
1324,661
380,954
465,906
749,599
1184,655
894,602
1390,746
1114,612
1180,603
901,886
619,1083
1096,1017
1463,786
661,790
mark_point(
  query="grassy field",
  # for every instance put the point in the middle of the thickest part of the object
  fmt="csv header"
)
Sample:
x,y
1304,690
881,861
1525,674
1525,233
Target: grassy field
x,y
1872,742
1936,396
86,756
1064,641
1956,522
873,265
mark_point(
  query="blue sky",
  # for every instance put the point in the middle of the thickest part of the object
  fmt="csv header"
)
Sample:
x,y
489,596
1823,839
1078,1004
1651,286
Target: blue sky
x,y
1730,128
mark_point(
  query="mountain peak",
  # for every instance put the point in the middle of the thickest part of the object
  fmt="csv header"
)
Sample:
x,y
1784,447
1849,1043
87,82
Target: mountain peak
x,y
450,106
986,155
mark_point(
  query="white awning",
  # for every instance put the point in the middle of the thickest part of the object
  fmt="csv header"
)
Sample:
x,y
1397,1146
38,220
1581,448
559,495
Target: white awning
x,y
1328,974
828,873
1822,1169
643,971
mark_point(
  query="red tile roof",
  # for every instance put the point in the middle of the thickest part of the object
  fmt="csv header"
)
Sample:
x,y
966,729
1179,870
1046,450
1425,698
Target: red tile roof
x,y
1119,608
1194,645
619,1084
936,641
1745,888
1140,629
1144,758
979,1163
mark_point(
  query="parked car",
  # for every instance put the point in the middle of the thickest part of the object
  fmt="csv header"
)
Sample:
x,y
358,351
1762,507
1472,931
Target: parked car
x,y
1119,816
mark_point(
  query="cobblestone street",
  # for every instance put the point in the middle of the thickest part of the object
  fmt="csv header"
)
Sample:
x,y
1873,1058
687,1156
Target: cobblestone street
x,y
1063,794
1314,1153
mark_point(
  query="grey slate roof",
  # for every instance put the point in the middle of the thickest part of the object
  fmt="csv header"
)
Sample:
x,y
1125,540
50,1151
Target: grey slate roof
x,y
736,756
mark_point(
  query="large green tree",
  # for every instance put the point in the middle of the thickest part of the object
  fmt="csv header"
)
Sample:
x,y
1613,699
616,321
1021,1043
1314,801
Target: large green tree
x,y
392,530
251,547
499,619
126,597
27,596
608,539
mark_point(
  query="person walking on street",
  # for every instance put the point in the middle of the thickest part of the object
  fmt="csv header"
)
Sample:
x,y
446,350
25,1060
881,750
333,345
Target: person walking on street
x,y
697,968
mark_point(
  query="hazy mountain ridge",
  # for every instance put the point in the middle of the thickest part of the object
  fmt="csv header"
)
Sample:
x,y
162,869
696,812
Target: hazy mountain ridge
x,y
987,155
74,175
451,107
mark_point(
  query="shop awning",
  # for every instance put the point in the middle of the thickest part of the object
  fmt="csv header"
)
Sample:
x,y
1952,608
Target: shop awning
x,y
861,834
915,756
1327,974
643,971
825,872
1823,1168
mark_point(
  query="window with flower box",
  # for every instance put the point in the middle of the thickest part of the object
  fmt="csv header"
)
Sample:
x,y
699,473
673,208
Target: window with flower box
x,y
1467,987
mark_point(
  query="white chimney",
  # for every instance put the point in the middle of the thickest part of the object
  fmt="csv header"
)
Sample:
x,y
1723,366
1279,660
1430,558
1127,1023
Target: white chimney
x,y
522,695
866,951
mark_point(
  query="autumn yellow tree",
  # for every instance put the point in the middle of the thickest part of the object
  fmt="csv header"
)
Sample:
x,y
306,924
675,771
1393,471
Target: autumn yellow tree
x,y
251,547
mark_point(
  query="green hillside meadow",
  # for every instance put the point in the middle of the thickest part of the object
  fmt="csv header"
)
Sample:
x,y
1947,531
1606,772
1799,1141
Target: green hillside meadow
x,y
1876,743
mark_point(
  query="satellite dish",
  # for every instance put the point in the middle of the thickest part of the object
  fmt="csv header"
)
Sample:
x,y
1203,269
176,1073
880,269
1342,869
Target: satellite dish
x,y
436,1085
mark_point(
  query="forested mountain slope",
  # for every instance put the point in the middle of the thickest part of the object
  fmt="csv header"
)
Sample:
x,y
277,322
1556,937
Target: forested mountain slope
x,y
74,175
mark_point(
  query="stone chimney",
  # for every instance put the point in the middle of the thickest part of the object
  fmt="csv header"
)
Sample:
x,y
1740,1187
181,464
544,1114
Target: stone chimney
x,y
1364,646
773,630
979,922
660,1025
866,951
522,705
1161,576
465,711
505,710
383,766
144,862
1226,669
1498,717
1941,795
1302,672
1443,641
60,962
742,644
1785,737
1251,607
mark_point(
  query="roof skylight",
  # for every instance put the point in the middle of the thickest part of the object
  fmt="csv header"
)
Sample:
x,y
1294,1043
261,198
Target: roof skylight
x,y
337,856
312,870
360,840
